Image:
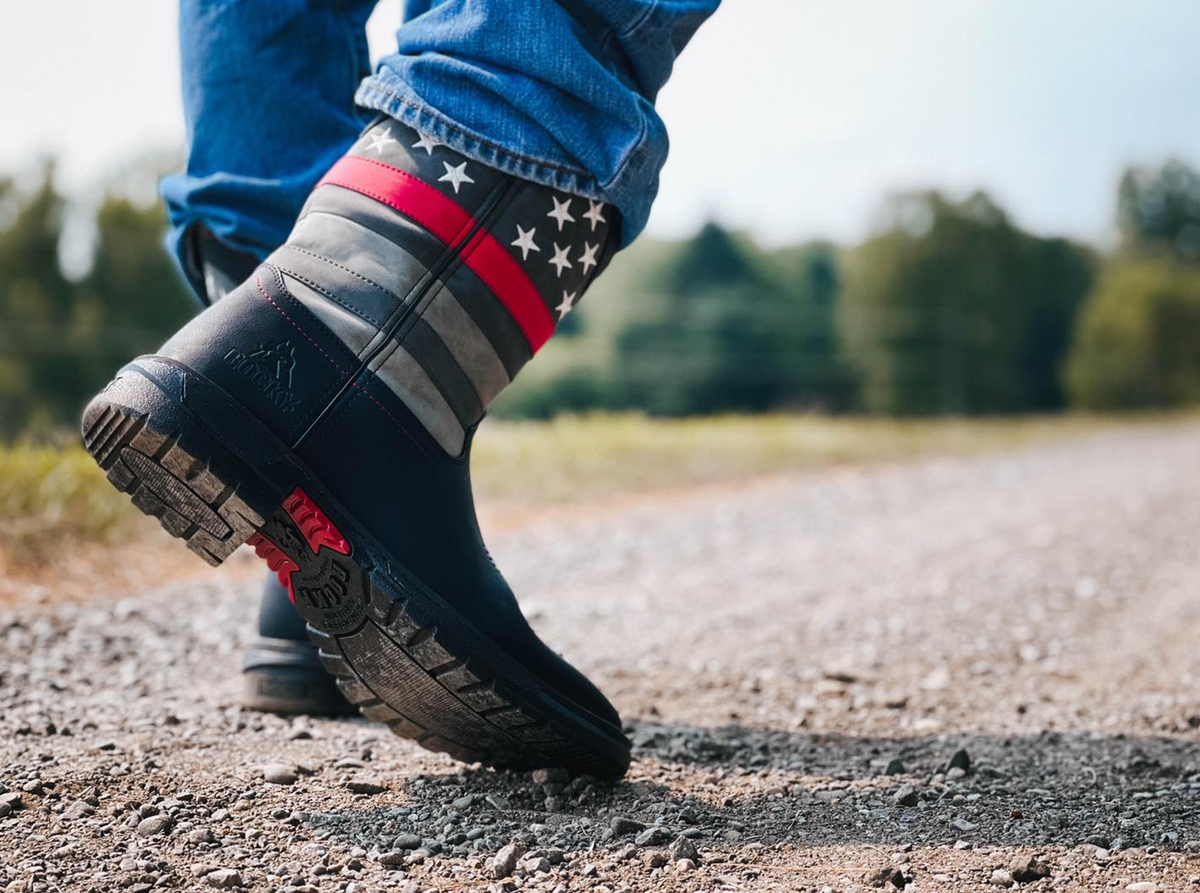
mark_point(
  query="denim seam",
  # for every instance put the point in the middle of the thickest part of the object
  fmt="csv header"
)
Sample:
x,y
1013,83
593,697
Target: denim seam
x,y
629,156
638,22
582,182
462,131
360,61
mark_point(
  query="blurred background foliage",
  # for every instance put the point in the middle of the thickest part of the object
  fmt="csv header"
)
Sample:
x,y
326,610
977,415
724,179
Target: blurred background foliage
x,y
949,308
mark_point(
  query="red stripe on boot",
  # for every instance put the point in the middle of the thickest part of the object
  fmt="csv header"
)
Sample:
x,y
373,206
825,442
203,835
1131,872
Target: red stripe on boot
x,y
414,198
500,272
450,222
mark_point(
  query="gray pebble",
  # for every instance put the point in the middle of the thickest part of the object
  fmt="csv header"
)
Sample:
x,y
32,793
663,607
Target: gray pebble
x,y
279,773
155,824
223,878
505,861
906,795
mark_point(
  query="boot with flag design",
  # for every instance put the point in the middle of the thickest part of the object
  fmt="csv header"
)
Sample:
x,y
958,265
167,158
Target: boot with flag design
x,y
323,413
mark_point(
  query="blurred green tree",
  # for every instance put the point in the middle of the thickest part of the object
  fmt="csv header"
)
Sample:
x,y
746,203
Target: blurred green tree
x,y
1158,210
952,309
1136,341
60,340
36,308
815,373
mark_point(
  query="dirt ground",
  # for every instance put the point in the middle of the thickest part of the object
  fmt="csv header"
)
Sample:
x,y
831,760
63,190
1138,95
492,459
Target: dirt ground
x,y
968,673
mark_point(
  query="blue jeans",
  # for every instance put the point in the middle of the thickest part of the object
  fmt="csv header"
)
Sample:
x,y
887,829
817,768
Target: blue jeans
x,y
560,92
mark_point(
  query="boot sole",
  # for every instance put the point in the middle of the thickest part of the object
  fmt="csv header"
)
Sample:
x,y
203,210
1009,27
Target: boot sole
x,y
189,455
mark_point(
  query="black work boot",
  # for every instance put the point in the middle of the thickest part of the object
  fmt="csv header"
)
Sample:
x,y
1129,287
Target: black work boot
x,y
323,412
281,670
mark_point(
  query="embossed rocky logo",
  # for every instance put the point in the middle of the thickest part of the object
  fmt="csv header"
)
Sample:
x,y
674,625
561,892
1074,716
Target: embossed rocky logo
x,y
270,369
329,592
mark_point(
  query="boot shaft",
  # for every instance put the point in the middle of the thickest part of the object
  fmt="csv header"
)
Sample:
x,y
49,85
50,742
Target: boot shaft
x,y
443,277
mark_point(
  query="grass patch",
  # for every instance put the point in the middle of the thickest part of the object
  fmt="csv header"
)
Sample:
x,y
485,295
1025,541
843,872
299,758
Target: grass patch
x,y
51,497
583,457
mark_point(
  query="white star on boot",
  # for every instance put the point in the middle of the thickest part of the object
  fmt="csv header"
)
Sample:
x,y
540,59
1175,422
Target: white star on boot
x,y
455,175
560,260
568,302
561,212
588,257
593,213
379,140
427,143
524,241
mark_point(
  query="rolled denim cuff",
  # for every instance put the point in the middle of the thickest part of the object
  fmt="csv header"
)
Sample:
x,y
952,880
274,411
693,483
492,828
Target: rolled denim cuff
x,y
631,191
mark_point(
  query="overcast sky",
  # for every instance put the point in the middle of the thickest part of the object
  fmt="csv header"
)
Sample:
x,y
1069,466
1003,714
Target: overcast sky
x,y
792,118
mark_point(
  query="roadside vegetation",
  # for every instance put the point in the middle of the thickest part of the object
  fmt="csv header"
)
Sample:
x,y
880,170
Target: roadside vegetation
x,y
53,498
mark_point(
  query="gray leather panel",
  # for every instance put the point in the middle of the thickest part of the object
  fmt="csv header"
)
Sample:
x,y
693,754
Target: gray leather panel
x,y
352,331
468,345
358,249
412,384
428,350
492,317
367,300
380,218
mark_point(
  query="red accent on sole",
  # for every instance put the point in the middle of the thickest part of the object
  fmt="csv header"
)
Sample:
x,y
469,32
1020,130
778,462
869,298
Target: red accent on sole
x,y
276,560
316,528
450,222
314,524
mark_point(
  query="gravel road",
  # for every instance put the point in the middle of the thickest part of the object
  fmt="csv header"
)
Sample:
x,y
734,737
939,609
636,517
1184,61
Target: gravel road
x,y
970,673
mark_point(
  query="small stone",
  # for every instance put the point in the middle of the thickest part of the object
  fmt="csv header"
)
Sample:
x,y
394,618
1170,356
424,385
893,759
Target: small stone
x,y
464,802
533,866
407,842
223,878
5,810
279,773
1143,887
392,859
954,773
1027,869
685,865
200,835
12,800
655,858
650,836
364,786
79,810
625,853
505,860
888,874
683,848
960,760
621,825
961,824
894,767
906,795
1001,878
551,776
498,802
155,824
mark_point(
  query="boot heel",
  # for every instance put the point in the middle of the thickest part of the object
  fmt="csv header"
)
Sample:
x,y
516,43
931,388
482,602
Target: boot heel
x,y
174,469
